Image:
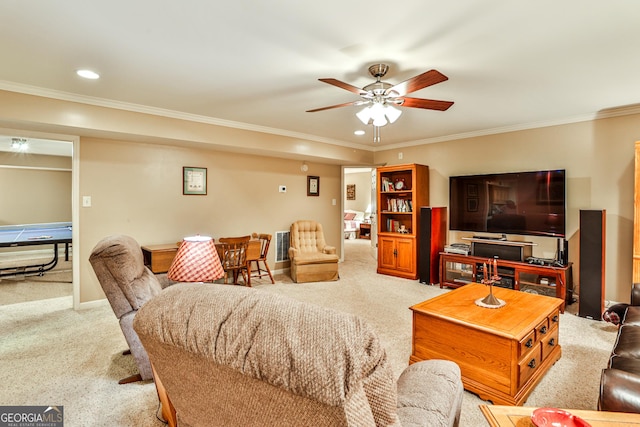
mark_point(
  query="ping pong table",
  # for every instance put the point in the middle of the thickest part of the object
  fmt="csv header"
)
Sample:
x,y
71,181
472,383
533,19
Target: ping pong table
x,y
53,233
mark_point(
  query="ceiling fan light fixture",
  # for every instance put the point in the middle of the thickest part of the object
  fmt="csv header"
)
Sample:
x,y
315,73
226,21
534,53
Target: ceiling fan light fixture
x,y
364,115
378,114
379,121
381,98
392,113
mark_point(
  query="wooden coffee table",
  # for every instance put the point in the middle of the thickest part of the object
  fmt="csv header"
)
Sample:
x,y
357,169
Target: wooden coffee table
x,y
502,352
512,416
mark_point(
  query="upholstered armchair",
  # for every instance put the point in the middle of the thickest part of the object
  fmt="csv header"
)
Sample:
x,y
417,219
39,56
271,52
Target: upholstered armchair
x,y
128,284
312,260
236,356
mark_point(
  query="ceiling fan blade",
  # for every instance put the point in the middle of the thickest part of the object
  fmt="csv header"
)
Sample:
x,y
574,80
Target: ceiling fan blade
x,y
418,82
344,85
346,104
429,104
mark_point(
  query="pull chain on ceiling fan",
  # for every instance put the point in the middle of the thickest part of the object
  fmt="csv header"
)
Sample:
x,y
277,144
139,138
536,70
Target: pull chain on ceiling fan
x,y
381,98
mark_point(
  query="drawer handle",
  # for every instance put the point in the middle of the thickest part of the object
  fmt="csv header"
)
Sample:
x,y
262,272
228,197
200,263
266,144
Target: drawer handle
x,y
555,318
552,342
532,364
543,330
529,343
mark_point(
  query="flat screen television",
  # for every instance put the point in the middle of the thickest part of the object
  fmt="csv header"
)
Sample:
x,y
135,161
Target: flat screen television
x,y
527,203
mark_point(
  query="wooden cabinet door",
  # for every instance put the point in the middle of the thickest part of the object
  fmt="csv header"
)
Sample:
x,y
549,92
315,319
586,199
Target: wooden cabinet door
x,y
386,253
405,255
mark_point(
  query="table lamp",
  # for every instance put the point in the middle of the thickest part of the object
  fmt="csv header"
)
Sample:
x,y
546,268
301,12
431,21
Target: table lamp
x,y
196,261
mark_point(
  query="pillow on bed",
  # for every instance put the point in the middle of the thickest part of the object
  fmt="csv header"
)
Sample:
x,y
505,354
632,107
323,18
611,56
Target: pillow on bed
x,y
349,216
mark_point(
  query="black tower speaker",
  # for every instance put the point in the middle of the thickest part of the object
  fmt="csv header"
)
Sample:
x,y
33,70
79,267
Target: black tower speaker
x,y
431,240
592,263
562,254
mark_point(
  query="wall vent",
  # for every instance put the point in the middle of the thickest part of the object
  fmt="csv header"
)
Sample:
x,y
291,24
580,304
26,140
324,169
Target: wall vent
x,y
282,246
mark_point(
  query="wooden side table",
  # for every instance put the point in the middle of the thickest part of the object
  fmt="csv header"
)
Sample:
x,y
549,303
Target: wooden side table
x,y
518,416
159,257
365,230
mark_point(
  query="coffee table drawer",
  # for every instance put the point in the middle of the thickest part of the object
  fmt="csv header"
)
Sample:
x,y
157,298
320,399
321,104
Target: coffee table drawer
x,y
527,343
554,319
542,329
529,364
549,342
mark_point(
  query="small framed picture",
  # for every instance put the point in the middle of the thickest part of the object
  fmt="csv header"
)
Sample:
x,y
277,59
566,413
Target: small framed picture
x,y
194,181
351,191
313,185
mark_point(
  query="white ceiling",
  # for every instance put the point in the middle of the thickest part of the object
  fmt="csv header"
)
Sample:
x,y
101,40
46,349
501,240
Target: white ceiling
x,y
511,64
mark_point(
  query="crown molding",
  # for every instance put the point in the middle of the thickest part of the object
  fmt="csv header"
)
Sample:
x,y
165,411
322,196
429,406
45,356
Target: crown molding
x,y
144,109
138,108
603,114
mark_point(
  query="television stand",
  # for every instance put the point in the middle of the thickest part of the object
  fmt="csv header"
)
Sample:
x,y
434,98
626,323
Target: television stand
x,y
458,270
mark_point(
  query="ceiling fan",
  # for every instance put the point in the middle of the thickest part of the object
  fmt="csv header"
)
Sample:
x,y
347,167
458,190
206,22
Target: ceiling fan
x,y
381,97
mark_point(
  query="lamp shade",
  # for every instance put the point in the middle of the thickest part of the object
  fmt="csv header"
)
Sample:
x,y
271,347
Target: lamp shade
x,y
196,261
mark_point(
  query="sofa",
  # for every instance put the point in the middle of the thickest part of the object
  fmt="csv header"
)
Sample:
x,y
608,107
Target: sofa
x,y
620,380
235,356
312,259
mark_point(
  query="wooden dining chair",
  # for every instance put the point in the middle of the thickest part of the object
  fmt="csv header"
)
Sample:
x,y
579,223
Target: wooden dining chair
x,y
264,271
233,257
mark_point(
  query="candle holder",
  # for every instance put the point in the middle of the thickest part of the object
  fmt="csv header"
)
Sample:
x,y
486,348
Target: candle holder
x,y
490,301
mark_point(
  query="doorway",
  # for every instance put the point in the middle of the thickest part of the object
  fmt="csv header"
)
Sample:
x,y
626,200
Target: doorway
x,y
358,211
36,187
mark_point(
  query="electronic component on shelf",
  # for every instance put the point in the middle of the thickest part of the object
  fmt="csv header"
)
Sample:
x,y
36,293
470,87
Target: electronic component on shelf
x,y
458,248
544,261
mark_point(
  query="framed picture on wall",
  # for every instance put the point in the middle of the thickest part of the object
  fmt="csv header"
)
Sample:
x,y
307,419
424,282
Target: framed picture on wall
x,y
194,181
313,185
351,191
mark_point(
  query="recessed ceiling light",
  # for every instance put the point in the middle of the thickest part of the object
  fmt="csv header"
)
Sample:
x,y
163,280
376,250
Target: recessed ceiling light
x,y
88,74
359,132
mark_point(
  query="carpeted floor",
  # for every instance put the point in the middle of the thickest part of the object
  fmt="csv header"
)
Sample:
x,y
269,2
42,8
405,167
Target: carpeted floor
x,y
19,288
53,355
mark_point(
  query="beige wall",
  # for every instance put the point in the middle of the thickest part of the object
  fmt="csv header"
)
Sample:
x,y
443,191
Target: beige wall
x,y
598,157
135,179
136,189
362,181
34,188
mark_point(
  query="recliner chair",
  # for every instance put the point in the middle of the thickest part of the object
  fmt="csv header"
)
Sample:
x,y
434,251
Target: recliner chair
x,y
128,284
312,260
